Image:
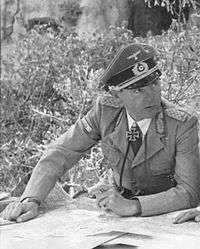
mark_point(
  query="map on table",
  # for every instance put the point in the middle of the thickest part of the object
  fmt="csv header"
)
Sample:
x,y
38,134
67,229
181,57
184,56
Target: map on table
x,y
74,225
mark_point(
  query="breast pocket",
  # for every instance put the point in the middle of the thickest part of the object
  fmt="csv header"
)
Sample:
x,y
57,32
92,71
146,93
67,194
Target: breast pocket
x,y
162,168
111,154
161,164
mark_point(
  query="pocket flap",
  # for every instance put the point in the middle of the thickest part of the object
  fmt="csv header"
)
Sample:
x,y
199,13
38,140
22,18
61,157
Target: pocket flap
x,y
164,167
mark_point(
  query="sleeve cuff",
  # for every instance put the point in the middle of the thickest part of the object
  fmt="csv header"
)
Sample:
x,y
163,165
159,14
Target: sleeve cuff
x,y
31,199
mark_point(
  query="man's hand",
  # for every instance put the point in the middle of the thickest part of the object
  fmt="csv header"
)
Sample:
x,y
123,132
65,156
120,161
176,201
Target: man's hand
x,y
98,189
193,214
20,211
103,185
111,200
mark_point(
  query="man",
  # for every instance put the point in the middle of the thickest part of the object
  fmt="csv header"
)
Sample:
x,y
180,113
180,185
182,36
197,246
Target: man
x,y
193,214
152,148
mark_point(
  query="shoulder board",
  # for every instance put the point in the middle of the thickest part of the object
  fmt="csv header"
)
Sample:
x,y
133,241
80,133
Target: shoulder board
x,y
180,115
110,101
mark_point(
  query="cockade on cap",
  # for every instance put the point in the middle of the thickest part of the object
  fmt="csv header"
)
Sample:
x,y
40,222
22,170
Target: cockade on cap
x,y
131,64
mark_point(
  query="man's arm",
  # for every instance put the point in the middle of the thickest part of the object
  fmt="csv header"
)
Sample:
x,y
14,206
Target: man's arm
x,y
59,157
62,154
187,174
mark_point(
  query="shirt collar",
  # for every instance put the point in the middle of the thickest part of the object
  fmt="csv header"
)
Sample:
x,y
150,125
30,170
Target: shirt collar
x,y
143,124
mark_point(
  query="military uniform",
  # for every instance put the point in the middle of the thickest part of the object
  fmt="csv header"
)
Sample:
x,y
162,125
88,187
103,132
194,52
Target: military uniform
x,y
164,180
164,173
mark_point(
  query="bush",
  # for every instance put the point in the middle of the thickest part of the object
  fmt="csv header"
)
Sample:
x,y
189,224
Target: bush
x,y
50,80
179,61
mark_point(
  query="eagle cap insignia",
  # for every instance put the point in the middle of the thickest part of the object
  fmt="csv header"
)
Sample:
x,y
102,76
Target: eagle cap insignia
x,y
140,68
135,55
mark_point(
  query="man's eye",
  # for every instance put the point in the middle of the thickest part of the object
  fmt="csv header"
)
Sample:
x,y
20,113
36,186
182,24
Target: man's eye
x,y
155,83
139,90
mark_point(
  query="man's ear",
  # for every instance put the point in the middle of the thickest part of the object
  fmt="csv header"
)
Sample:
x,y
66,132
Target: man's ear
x,y
114,93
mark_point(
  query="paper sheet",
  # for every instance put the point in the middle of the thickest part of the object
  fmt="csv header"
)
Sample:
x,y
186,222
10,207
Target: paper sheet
x,y
5,222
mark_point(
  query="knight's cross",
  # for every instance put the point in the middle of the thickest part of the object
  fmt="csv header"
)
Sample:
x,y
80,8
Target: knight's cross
x,y
133,134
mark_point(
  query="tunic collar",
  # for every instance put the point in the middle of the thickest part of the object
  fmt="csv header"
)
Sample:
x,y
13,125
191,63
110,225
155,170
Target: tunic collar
x,y
143,124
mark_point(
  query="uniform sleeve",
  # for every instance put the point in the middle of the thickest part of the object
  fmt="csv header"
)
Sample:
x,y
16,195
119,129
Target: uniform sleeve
x,y
187,174
65,152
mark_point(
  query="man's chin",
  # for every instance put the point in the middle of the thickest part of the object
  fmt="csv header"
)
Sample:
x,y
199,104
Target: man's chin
x,y
147,112
144,116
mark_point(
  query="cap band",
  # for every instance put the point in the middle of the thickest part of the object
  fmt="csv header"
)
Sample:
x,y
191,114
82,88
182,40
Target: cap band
x,y
145,81
140,68
140,81
134,65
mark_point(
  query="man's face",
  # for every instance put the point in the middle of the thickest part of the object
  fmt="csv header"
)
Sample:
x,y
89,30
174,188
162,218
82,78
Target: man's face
x,y
142,102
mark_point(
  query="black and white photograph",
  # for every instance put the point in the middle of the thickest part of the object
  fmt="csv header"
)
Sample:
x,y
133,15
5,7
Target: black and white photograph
x,y
99,135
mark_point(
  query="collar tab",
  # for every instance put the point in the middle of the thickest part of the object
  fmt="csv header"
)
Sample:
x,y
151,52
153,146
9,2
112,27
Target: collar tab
x,y
109,100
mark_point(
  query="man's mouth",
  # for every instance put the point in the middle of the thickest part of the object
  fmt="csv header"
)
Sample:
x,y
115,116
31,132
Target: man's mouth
x,y
150,106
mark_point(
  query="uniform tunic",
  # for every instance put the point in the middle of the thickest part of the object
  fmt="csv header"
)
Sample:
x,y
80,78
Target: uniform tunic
x,y
168,176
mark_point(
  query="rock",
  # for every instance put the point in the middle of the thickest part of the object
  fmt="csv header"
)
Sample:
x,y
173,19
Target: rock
x,y
40,12
153,19
195,20
9,11
86,16
98,15
18,16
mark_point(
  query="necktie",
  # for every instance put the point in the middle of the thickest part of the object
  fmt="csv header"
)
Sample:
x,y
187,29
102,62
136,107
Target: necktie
x,y
134,136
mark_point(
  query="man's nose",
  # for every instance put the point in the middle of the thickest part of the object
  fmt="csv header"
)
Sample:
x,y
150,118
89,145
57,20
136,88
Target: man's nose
x,y
152,93
149,90
153,88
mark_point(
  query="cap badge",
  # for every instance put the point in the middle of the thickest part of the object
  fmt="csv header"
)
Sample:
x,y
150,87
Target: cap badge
x,y
140,68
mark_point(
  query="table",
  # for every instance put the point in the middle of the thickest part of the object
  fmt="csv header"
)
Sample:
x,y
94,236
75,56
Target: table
x,y
77,224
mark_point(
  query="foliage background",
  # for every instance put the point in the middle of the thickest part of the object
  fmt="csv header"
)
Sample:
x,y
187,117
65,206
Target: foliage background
x,y
49,80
